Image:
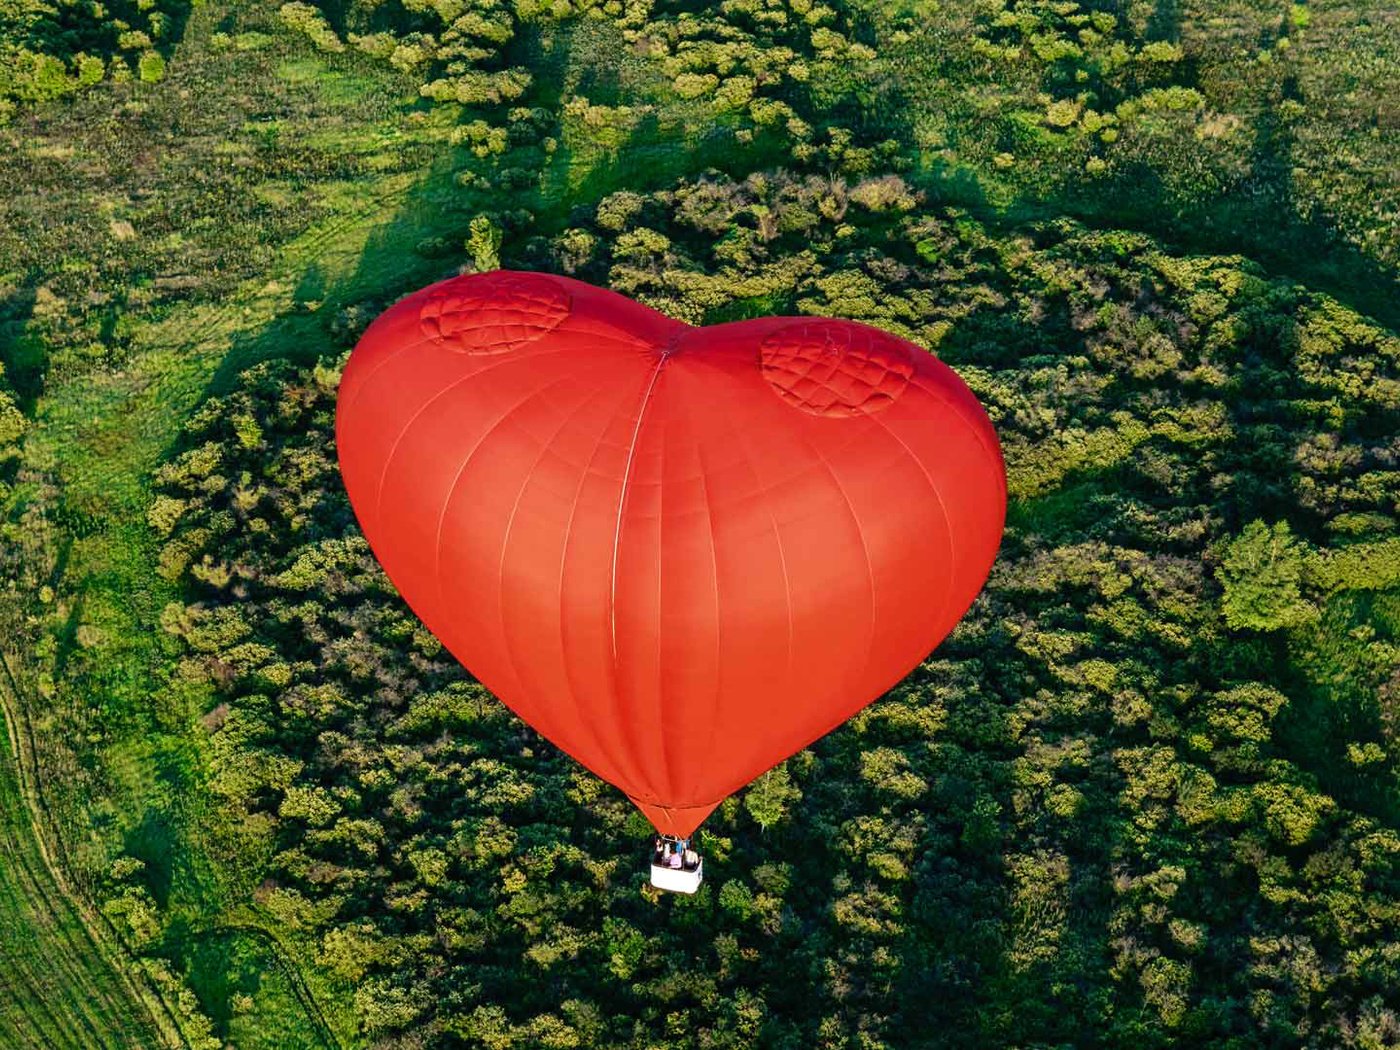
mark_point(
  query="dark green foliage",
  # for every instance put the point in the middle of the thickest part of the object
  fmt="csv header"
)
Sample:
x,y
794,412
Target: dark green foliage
x,y
51,48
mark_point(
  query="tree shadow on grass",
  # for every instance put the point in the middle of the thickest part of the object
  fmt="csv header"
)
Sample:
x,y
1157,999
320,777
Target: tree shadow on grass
x,y
1165,21
154,842
1262,217
67,635
234,965
1333,688
573,181
22,356
1264,220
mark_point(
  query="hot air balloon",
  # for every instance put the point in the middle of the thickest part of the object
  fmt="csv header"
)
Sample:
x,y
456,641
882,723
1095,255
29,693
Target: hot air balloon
x,y
680,553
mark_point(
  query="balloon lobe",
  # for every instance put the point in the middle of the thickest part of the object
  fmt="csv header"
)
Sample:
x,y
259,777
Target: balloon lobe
x,y
680,553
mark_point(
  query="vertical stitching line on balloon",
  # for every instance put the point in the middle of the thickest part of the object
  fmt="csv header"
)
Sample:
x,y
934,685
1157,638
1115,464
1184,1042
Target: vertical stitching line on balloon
x,y
782,562
461,471
714,571
619,698
622,497
938,496
942,508
661,706
585,724
466,462
948,527
787,580
417,414
864,547
620,769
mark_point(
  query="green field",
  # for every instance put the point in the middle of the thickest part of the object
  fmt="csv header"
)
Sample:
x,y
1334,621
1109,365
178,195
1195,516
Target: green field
x,y
1147,795
58,980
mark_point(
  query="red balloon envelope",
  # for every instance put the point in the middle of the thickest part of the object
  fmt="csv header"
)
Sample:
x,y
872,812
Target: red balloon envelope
x,y
681,554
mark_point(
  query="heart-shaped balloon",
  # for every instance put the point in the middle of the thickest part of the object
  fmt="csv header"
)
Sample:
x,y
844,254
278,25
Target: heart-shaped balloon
x,y
681,554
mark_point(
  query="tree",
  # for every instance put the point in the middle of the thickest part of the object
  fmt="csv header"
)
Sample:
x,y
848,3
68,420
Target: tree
x,y
1261,572
768,799
484,243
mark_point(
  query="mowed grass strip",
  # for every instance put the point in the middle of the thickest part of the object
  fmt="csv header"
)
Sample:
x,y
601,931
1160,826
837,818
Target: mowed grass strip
x,y
56,987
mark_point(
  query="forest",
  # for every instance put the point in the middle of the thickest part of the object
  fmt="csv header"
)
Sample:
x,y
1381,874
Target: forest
x,y
1147,794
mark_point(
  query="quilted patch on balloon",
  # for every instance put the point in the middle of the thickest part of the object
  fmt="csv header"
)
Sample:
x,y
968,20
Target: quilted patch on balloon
x,y
493,314
835,369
